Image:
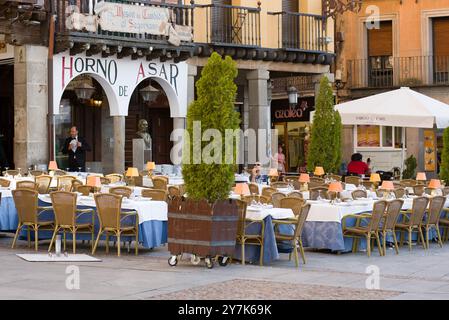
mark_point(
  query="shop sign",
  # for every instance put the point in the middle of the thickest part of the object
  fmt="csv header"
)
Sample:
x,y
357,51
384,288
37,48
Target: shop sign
x,y
301,112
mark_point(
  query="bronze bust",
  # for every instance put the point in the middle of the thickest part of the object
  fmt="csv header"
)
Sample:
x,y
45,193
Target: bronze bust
x,y
142,132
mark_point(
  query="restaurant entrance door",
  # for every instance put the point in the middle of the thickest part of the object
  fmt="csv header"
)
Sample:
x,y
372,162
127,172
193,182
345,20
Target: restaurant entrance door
x,y
6,116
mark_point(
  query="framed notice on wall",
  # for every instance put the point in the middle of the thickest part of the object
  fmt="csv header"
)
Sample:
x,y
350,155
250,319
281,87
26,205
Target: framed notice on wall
x,y
368,136
429,150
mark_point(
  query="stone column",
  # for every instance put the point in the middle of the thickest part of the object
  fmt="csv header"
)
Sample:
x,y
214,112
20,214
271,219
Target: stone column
x,y
30,106
119,144
192,71
258,110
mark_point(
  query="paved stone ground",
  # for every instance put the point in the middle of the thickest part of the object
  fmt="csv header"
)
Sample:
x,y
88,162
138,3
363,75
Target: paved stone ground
x,y
410,275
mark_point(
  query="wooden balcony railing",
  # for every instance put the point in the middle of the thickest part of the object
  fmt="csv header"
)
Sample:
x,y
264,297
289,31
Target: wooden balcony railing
x,y
301,31
377,72
230,25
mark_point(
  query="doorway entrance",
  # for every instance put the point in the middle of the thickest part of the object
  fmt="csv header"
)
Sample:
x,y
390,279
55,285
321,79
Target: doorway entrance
x,y
7,116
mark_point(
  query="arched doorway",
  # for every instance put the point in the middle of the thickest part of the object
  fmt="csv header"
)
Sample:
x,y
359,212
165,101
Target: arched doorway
x,y
90,114
158,115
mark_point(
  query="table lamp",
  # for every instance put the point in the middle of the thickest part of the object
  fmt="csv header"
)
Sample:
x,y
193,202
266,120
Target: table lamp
x,y
375,179
131,173
388,186
94,182
150,167
319,171
242,189
52,166
421,176
273,173
304,178
335,187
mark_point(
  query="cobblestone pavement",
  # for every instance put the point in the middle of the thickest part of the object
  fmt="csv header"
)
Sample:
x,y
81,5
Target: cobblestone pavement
x,y
419,274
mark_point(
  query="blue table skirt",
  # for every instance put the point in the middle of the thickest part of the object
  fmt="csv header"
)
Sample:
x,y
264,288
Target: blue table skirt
x,y
152,233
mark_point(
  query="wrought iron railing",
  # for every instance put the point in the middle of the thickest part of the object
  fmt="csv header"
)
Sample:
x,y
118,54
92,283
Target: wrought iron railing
x,y
398,71
230,25
301,31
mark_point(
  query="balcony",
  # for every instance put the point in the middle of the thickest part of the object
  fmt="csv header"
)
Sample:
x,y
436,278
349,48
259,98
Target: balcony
x,y
392,72
81,25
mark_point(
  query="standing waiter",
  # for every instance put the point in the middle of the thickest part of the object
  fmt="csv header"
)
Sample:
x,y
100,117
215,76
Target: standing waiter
x,y
76,148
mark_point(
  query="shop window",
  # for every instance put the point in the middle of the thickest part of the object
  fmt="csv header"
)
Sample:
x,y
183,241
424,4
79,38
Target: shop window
x,y
387,136
370,136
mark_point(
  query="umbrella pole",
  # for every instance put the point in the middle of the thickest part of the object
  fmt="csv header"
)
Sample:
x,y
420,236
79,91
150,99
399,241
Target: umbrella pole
x,y
403,150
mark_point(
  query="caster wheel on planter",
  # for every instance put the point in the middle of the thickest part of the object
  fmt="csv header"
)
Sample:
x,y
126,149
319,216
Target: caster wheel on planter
x,y
209,262
223,261
194,259
173,261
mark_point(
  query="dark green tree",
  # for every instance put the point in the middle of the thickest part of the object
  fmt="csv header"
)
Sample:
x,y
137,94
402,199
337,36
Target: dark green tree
x,y
410,168
325,140
213,109
444,167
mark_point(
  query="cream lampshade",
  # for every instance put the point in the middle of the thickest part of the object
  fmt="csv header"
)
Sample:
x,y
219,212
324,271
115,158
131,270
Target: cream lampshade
x,y
421,176
241,189
93,181
53,165
335,187
151,165
304,177
387,185
132,172
319,171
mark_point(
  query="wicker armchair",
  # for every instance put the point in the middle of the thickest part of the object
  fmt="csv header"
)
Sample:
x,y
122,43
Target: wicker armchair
x,y
155,194
67,218
335,177
355,180
369,231
408,182
268,191
368,184
418,190
313,185
122,191
65,183
36,173
389,223
28,211
12,172
257,198
75,184
105,180
295,238
114,177
249,239
291,179
84,190
399,193
356,194
314,192
292,203
253,188
295,194
279,184
27,185
276,199
60,173
160,182
174,191
433,218
317,180
414,221
43,183
4,183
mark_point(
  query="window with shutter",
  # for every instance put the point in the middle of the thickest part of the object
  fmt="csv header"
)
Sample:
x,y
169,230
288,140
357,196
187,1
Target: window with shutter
x,y
441,49
290,24
221,19
380,55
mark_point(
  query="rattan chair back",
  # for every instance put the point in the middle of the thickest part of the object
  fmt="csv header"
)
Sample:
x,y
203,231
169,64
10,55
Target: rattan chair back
x,y
436,206
295,194
122,191
4,183
84,190
43,183
419,208
257,198
399,193
279,184
276,199
292,203
356,194
65,183
155,194
114,177
355,180
418,190
105,180
378,213
160,183
25,201
108,209
314,192
253,188
392,213
64,207
27,185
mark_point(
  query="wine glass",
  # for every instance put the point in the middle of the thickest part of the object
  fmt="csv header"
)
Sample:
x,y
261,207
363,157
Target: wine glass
x,y
319,198
79,169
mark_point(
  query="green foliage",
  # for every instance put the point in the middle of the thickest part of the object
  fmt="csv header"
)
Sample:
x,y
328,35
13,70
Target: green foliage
x,y
410,168
214,108
325,140
444,168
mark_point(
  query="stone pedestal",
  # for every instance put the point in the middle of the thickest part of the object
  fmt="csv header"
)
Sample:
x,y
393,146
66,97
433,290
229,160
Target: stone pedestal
x,y
140,155
119,144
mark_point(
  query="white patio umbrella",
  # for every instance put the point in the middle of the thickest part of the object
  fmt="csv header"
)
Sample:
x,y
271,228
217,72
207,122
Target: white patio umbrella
x,y
399,108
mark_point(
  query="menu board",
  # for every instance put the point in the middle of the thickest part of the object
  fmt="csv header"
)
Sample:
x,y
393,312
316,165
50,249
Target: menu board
x,y
368,136
429,150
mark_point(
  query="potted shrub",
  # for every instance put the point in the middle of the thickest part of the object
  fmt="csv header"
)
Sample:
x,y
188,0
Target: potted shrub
x,y
205,223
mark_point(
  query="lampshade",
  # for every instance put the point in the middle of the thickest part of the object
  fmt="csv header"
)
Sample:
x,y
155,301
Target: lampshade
x,y
387,185
52,165
93,181
304,177
335,187
273,173
319,171
292,95
241,188
151,165
132,172
435,184
375,177
84,91
421,176
149,93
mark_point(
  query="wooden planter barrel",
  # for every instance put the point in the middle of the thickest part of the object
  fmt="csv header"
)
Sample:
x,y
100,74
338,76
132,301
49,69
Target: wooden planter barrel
x,y
196,227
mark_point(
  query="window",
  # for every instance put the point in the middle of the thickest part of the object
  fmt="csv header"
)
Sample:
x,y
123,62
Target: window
x,y
370,136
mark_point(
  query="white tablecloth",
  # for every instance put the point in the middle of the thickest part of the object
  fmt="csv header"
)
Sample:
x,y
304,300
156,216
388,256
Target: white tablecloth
x,y
260,213
172,181
146,209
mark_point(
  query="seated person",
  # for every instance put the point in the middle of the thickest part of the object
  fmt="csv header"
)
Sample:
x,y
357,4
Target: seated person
x,y
357,166
255,172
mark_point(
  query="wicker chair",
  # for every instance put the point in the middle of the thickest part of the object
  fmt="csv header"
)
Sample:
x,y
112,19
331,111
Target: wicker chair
x,y
355,180
280,184
155,194
276,199
356,194
317,180
418,190
446,191
65,183
44,183
104,180
253,188
399,193
75,184
295,238
27,185
174,191
414,222
67,218
313,185
26,202
436,205
12,172
314,192
292,203
249,239
268,191
257,198
4,183
144,173
408,182
368,184
389,223
335,177
84,190
372,229
36,173
295,194
160,182
114,177
122,191
111,218
381,192
291,179
60,173
428,191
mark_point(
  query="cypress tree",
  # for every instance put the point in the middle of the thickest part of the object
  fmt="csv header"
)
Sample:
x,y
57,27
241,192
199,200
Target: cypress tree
x,y
337,145
214,108
444,169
